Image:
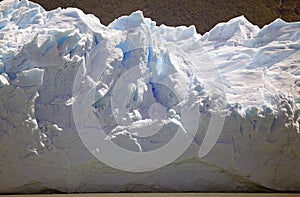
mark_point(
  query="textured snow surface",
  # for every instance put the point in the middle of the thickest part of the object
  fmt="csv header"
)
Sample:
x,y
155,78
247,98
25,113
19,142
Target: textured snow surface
x,y
245,79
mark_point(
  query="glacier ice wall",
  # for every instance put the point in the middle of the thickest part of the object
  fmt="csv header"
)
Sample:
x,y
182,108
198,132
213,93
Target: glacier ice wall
x,y
226,104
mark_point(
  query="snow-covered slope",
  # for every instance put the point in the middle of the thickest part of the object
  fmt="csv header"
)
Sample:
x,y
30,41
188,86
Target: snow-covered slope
x,y
139,107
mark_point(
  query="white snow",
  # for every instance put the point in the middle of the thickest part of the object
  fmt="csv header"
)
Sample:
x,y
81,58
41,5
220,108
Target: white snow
x,y
215,112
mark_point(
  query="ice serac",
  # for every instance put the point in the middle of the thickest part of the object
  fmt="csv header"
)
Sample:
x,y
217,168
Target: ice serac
x,y
145,78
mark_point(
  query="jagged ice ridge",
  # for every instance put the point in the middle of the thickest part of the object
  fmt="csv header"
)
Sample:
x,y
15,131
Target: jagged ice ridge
x,y
141,75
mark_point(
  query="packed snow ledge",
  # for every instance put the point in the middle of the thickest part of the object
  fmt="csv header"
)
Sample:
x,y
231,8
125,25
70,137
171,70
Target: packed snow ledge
x,y
133,106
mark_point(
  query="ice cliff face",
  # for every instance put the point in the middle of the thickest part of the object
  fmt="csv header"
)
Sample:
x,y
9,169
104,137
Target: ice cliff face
x,y
212,112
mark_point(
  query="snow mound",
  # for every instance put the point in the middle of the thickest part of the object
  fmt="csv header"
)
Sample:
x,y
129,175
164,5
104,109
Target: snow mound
x,y
218,112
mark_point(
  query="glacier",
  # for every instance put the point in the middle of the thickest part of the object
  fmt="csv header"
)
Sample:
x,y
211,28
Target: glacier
x,y
133,106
